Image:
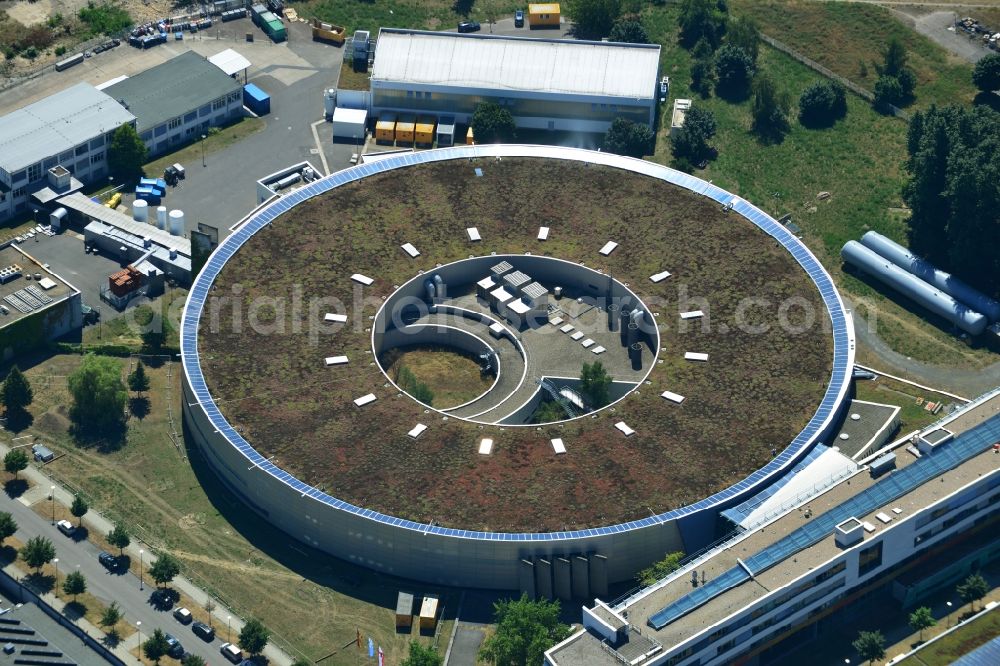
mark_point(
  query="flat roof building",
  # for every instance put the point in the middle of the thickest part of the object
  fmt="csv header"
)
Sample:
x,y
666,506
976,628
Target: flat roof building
x,y
932,519
36,305
178,100
71,128
554,84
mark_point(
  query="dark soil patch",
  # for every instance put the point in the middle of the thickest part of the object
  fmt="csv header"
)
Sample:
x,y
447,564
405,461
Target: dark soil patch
x,y
753,396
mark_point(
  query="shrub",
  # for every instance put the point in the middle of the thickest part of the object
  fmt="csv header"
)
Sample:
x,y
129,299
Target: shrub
x,y
105,19
60,50
822,103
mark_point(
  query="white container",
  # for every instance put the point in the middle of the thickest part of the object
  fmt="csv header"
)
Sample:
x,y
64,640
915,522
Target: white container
x,y
140,210
161,217
176,221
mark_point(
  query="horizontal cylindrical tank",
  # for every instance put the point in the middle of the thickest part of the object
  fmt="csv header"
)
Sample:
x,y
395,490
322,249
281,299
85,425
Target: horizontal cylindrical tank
x,y
909,285
161,217
932,275
176,218
140,210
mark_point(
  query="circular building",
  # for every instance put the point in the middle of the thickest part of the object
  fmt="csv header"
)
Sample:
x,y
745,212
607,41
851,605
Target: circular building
x,y
510,366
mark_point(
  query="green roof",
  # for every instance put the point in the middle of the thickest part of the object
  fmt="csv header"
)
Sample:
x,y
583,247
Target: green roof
x,y
172,89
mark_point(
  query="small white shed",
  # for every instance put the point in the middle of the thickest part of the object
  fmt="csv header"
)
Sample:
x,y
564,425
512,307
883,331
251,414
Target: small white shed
x,y
349,123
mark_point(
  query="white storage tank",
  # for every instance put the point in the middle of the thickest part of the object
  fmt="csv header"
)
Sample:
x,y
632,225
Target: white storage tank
x,y
176,222
140,210
161,217
329,102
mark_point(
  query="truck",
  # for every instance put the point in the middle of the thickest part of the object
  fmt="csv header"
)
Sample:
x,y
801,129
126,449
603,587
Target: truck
x,y
328,32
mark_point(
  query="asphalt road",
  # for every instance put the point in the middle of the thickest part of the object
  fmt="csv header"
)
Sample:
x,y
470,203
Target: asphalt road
x,y
78,554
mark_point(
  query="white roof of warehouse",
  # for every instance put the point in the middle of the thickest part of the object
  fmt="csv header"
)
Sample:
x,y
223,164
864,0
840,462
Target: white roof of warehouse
x,y
57,123
552,66
229,61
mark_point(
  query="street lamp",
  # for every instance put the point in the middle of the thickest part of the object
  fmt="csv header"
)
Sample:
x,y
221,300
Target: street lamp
x,y
138,628
229,628
140,568
55,563
948,604
203,150
52,496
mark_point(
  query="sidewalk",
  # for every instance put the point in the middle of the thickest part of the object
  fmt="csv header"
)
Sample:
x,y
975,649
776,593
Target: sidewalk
x,y
101,525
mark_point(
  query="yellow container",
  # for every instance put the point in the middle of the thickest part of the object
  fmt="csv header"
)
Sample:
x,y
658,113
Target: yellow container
x,y
405,128
543,15
385,128
424,131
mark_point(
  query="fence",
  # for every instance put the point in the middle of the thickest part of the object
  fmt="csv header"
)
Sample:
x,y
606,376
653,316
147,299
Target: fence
x,y
815,66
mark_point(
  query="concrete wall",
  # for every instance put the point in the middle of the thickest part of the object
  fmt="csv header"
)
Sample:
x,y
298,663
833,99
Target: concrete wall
x,y
486,562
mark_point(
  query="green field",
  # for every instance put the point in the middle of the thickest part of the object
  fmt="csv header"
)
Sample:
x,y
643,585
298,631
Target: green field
x,y
166,494
961,641
859,161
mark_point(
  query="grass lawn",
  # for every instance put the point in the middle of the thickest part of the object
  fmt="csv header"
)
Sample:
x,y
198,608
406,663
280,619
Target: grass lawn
x,y
912,416
126,328
454,378
170,499
859,161
190,154
961,641
351,80
848,38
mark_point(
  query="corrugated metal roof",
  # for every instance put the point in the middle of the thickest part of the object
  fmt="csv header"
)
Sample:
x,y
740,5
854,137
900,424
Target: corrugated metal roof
x,y
96,211
171,89
567,67
57,123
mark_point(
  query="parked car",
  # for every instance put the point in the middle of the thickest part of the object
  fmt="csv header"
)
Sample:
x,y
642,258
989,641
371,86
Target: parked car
x,y
108,561
176,650
66,527
469,26
231,652
203,631
162,598
519,18
183,615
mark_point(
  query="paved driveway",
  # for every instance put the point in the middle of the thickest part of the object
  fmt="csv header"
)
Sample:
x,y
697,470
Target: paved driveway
x,y
78,554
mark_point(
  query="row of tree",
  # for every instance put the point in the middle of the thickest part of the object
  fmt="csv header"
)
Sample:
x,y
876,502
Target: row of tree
x,y
871,644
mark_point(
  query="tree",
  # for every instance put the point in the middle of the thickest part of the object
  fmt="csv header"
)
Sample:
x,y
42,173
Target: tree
x,y
870,645
660,569
209,607
986,73
893,68
691,141
156,647
525,630
893,58
422,656
595,384
138,380
195,660
625,137
165,568
17,393
8,526
972,589
593,18
111,616
74,584
98,396
37,552
629,31
119,538
15,461
735,69
743,33
492,123
79,509
921,619
822,103
702,19
549,411
127,152
769,110
254,636
952,191
702,77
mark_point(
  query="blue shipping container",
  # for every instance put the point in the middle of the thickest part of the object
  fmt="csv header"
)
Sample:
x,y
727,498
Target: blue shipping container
x,y
147,194
256,99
